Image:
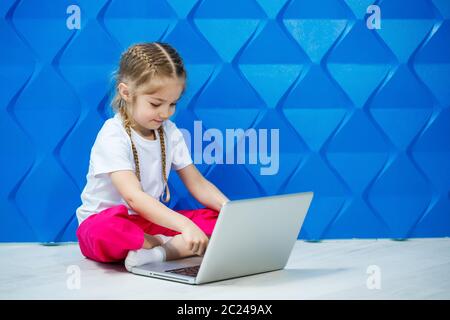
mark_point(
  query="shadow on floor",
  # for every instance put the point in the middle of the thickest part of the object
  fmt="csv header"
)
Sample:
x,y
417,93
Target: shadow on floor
x,y
265,279
275,278
112,267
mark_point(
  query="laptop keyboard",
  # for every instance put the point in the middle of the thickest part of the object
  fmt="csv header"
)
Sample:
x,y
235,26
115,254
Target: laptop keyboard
x,y
189,271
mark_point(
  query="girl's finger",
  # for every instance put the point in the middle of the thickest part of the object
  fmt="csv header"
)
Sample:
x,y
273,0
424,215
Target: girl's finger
x,y
190,245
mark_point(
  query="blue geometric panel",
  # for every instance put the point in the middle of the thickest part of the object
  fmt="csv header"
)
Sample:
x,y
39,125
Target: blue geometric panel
x,y
307,21
402,97
144,20
315,106
432,63
360,116
218,19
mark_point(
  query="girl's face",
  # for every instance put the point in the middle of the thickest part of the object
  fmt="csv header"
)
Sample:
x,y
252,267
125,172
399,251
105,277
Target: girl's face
x,y
151,109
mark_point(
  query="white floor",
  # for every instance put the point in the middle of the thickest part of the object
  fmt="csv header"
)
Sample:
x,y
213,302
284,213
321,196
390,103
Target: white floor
x,y
333,269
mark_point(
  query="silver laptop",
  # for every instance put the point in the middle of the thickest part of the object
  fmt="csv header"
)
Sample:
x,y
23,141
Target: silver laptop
x,y
250,236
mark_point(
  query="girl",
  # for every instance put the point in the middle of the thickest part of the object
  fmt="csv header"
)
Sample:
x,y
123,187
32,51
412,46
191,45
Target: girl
x,y
121,216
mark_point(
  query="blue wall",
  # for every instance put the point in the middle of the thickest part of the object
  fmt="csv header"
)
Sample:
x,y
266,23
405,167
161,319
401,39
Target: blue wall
x,y
363,114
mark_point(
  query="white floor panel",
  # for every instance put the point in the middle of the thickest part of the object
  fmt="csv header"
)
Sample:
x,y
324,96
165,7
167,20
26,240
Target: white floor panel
x,y
332,269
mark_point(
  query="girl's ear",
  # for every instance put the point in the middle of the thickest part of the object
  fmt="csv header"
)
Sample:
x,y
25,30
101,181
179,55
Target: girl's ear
x,y
124,91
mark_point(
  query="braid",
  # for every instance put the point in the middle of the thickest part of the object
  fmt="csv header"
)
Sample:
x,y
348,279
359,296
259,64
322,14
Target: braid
x,y
127,125
135,155
137,52
163,158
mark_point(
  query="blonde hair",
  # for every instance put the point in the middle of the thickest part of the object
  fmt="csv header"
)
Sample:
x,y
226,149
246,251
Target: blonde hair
x,y
140,65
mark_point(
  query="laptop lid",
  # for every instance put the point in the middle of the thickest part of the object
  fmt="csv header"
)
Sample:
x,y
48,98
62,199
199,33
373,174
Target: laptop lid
x,y
253,236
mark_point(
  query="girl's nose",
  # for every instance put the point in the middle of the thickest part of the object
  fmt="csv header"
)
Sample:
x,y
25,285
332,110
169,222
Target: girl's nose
x,y
164,114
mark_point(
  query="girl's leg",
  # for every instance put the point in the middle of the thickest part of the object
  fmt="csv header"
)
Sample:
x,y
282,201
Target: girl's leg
x,y
151,241
204,218
176,248
109,235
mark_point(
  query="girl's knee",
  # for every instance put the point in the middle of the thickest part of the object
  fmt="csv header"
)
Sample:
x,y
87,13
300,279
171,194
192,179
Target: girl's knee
x,y
109,239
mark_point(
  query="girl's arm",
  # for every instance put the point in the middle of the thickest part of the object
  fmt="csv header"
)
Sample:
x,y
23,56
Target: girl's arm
x,y
201,189
153,210
145,205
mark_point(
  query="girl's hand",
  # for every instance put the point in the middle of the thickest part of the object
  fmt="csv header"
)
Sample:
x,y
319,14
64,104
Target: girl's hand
x,y
195,238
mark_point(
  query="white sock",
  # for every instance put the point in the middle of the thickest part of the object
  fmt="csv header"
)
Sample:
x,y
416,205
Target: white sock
x,y
163,238
136,258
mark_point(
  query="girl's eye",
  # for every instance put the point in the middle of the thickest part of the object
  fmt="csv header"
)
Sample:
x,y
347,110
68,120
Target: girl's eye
x,y
157,105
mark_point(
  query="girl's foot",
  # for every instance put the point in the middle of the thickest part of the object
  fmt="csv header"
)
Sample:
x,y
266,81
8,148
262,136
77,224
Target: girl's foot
x,y
152,241
163,238
136,258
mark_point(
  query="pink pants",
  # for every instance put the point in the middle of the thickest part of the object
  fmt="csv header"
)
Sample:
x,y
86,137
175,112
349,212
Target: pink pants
x,y
107,236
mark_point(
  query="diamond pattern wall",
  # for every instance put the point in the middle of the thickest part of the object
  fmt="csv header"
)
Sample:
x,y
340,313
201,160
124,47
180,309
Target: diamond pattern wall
x,y
363,114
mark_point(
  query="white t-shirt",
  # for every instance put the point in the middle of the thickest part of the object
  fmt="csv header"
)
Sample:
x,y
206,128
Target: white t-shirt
x,y
112,152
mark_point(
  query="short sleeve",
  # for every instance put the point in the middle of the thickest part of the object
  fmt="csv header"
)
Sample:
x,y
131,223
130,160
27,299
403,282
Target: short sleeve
x,y
111,151
180,153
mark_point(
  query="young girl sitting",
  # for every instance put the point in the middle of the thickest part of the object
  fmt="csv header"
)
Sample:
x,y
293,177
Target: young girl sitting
x,y
121,216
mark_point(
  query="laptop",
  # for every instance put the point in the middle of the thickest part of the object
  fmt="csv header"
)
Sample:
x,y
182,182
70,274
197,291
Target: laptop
x,y
251,236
